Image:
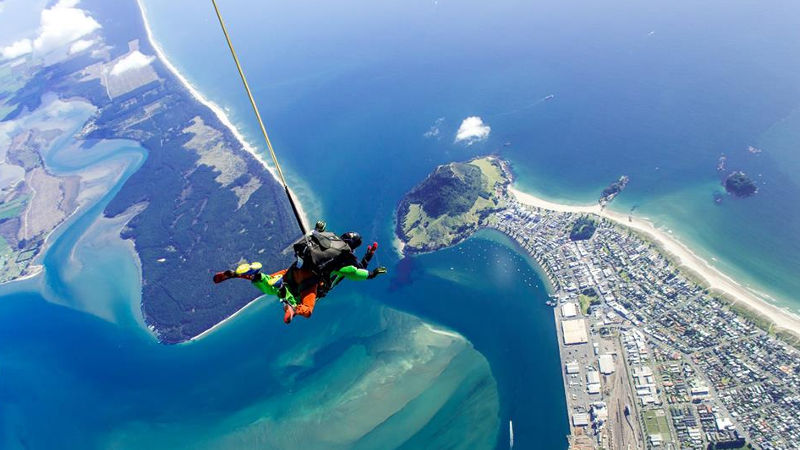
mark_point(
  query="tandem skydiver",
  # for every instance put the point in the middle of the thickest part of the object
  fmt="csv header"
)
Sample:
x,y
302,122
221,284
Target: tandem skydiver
x,y
323,260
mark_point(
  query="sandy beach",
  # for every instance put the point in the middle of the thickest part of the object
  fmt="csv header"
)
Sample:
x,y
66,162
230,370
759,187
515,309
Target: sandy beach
x,y
688,260
219,324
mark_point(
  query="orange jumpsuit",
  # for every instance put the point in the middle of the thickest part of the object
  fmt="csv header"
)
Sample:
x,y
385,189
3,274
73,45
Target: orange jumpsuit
x,y
308,283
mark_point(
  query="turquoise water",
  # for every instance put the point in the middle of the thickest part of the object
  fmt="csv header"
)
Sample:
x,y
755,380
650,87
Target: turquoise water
x,y
79,370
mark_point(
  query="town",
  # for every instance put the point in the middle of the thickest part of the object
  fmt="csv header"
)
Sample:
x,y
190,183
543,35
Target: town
x,y
651,359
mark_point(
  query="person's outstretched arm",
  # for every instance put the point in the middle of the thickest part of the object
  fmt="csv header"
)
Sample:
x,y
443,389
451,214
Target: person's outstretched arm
x,y
354,273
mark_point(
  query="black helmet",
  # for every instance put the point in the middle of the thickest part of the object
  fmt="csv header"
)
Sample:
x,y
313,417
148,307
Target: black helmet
x,y
352,238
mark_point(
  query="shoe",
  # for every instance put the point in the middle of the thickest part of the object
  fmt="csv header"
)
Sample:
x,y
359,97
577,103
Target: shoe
x,y
288,313
248,269
276,282
219,277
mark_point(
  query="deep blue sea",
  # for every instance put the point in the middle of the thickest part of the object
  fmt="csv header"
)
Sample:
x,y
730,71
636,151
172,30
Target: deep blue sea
x,y
654,90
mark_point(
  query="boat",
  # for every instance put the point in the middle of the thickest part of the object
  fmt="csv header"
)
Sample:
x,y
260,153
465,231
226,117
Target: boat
x,y
510,434
550,97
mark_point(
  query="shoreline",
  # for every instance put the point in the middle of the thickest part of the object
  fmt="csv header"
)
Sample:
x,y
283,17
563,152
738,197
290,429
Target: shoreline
x,y
712,277
216,109
222,322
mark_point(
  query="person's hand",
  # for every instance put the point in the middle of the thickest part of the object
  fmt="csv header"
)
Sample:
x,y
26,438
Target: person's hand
x,y
371,249
379,271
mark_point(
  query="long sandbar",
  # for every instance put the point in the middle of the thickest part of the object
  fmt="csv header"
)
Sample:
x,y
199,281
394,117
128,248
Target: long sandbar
x,y
686,258
216,109
220,113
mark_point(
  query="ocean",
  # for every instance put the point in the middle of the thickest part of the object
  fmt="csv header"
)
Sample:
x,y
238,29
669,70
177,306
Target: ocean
x,y
348,91
657,93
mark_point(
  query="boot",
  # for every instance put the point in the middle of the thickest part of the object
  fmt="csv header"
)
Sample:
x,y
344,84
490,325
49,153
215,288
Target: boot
x,y
247,270
219,277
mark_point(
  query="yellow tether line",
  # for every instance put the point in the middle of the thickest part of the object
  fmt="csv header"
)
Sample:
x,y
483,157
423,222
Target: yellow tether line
x,y
258,115
249,94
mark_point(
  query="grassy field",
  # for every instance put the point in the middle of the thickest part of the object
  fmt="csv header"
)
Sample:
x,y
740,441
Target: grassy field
x,y
4,248
585,301
655,422
13,208
492,172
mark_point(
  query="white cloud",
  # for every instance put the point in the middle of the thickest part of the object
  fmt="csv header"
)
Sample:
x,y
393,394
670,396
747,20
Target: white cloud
x,y
62,24
80,45
19,48
433,131
59,25
472,130
134,60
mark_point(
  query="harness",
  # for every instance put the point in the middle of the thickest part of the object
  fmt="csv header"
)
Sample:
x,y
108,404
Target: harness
x,y
319,253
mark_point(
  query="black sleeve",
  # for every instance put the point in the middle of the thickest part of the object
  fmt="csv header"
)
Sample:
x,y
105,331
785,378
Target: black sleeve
x,y
350,259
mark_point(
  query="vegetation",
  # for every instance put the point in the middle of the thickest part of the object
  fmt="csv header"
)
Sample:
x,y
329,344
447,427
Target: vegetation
x,y
612,190
740,185
733,445
13,207
451,189
185,216
190,218
451,204
588,298
584,301
582,229
655,422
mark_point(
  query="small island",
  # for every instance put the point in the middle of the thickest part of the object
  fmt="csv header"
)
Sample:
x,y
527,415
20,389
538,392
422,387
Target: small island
x,y
740,185
613,189
582,229
452,203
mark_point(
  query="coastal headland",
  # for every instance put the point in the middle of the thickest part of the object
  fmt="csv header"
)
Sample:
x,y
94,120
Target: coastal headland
x,y
632,303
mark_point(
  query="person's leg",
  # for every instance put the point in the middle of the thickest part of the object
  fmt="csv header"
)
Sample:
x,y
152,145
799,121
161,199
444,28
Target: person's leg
x,y
267,284
307,282
307,300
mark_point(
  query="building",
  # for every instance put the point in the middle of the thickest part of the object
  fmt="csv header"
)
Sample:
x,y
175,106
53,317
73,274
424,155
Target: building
x,y
593,381
656,440
723,423
580,419
574,331
606,364
569,310
599,412
573,367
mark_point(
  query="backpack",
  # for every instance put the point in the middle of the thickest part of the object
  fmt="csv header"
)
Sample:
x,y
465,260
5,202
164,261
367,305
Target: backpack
x,y
320,250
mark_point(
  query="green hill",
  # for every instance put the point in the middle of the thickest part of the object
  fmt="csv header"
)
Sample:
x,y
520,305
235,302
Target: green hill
x,y
451,203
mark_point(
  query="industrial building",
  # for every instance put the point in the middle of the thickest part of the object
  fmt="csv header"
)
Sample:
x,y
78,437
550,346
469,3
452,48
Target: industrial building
x,y
606,363
574,331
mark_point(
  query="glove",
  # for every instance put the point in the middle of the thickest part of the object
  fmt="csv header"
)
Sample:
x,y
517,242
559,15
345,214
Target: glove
x,y
379,271
371,249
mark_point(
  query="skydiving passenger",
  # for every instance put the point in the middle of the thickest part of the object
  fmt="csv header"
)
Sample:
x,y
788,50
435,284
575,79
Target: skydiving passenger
x,y
323,260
